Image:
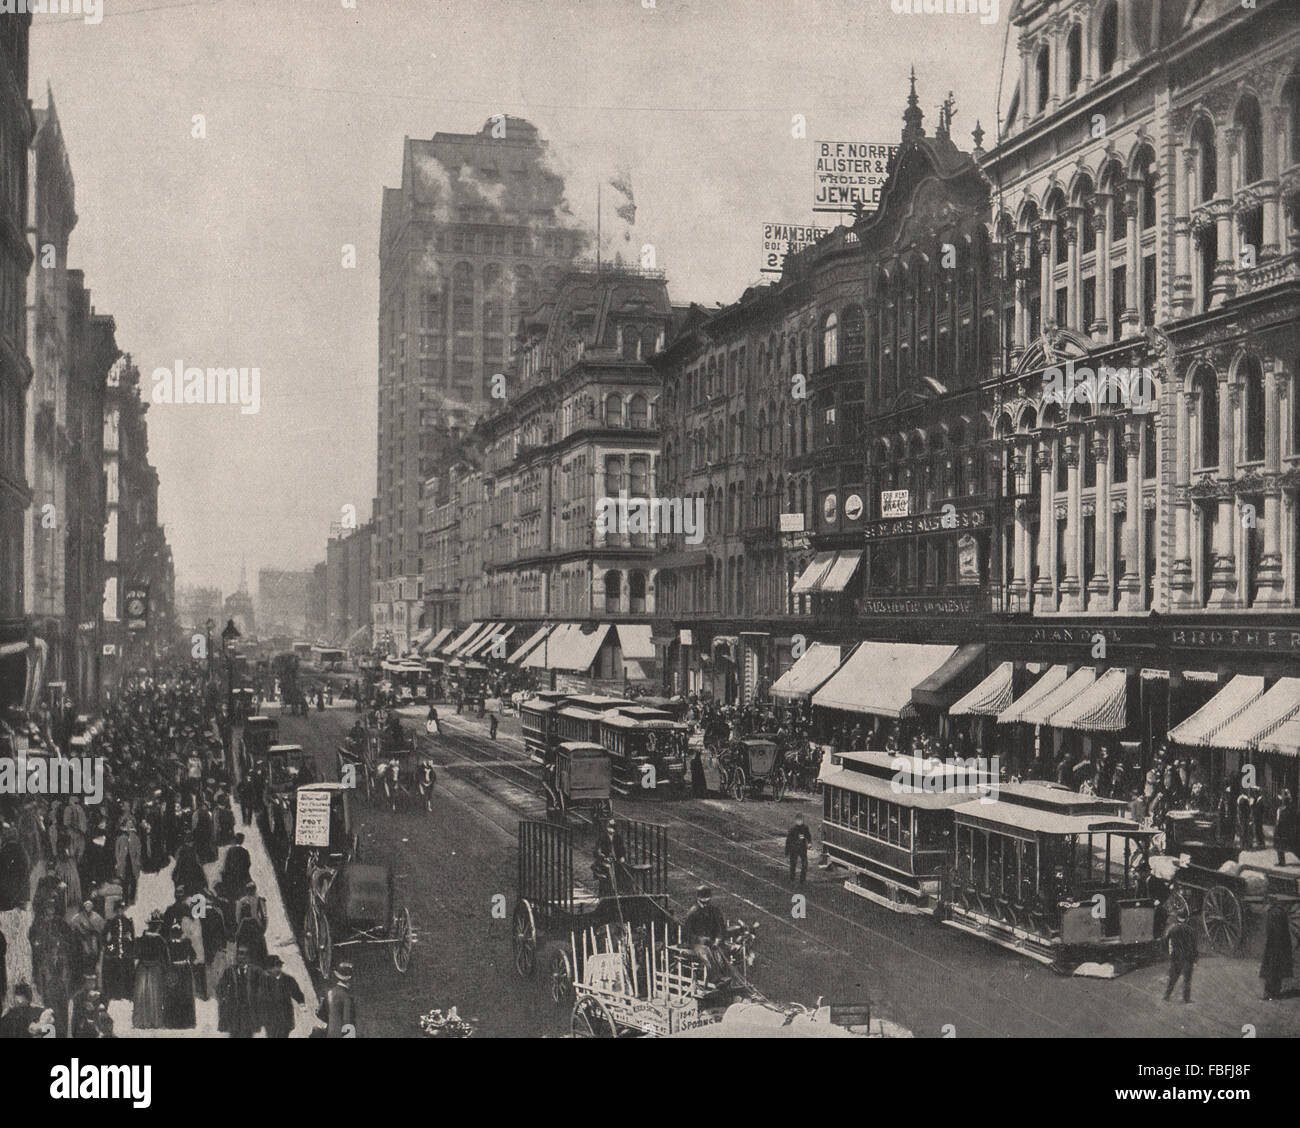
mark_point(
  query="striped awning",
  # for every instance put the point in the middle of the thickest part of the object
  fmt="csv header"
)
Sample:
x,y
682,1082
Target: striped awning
x,y
533,641
809,672
450,648
1102,707
1043,688
841,571
1221,710
436,641
951,680
1262,719
1285,741
989,698
814,573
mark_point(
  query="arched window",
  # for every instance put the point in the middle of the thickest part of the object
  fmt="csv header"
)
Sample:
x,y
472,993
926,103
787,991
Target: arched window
x,y
830,341
462,296
613,591
1146,165
636,586
762,431
1108,38
1074,58
1252,379
854,330
613,410
649,341
1247,120
636,413
1207,165
525,289
1291,100
1042,70
1206,386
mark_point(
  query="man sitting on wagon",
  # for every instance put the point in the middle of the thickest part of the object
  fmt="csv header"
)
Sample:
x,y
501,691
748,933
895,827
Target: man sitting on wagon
x,y
611,860
704,928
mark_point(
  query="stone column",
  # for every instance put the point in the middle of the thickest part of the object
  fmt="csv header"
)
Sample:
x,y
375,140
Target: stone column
x,y
1225,141
1047,271
1055,51
1181,293
1071,589
1130,584
1125,51
1070,234
1099,586
1274,139
1046,523
1182,590
1271,593
1020,551
1088,62
1132,258
1223,581
1026,68
1100,327
1022,289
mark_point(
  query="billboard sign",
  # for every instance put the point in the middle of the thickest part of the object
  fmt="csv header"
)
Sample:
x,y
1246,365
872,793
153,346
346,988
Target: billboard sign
x,y
781,239
849,173
894,503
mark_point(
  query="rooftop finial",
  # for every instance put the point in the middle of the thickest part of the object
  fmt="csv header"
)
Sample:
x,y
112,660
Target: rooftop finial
x,y
913,114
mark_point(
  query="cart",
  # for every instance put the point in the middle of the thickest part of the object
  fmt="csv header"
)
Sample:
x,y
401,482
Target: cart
x,y
753,764
577,783
556,898
349,903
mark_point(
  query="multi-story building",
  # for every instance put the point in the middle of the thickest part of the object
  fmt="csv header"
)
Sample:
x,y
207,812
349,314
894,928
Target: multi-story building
x,y
16,128
347,585
477,230
282,598
195,605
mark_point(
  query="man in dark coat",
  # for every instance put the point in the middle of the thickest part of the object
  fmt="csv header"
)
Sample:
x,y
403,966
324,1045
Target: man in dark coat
x,y
235,870
1284,833
14,871
797,841
282,991
240,996
1278,963
19,1018
118,968
337,1009
1181,938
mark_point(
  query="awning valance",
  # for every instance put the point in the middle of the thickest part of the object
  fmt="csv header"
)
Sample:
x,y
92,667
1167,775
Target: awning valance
x,y
1279,704
1221,709
809,672
952,679
1285,741
990,697
878,678
635,641
1042,689
1102,707
814,573
841,571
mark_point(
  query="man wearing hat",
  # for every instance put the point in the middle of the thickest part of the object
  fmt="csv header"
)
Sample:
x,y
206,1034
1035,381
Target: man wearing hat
x,y
22,1016
611,858
337,1009
282,991
240,996
704,928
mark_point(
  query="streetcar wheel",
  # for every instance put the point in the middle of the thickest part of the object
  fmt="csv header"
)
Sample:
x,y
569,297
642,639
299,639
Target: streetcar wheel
x,y
559,975
736,783
524,940
325,957
1176,907
778,786
1221,918
402,935
591,1019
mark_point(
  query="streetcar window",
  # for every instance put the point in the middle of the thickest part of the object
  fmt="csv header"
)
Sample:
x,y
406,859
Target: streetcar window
x,y
978,858
905,829
1029,865
873,818
893,823
835,805
995,863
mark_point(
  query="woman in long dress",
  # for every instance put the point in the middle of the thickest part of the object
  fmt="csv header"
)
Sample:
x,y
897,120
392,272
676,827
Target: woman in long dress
x,y
178,987
152,962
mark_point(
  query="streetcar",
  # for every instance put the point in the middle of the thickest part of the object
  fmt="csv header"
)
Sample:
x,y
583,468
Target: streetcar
x,y
647,749
537,717
574,723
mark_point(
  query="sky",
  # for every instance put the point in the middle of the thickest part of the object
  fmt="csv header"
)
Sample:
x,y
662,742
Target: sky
x,y
226,249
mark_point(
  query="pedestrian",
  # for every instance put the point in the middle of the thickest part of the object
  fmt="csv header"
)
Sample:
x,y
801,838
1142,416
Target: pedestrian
x,y
797,841
19,1019
337,1009
152,962
240,995
1181,938
492,726
1245,827
1278,963
282,991
1284,832
117,971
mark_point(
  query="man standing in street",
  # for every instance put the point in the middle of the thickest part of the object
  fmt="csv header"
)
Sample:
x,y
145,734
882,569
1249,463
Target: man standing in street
x,y
337,1009
1284,832
492,726
282,991
797,841
1181,938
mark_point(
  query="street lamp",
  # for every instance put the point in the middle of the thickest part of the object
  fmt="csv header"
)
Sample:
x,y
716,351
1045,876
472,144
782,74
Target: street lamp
x,y
228,635
208,627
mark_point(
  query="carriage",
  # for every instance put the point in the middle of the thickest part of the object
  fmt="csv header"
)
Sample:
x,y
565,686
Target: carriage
x,y
349,903
259,734
578,782
753,764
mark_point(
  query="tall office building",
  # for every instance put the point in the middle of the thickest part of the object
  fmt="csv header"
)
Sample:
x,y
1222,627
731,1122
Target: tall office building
x,y
478,230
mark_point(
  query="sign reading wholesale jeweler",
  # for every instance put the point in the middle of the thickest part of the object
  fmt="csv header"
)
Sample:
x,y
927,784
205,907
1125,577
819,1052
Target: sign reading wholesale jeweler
x,y
781,239
849,173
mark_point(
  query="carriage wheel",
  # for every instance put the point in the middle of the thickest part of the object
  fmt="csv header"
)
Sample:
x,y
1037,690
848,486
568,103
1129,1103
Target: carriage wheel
x,y
325,957
1176,907
525,940
591,1019
559,975
736,783
1221,918
778,785
402,936
310,939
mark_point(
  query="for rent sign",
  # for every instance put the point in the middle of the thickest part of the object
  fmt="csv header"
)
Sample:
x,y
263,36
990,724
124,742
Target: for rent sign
x,y
849,173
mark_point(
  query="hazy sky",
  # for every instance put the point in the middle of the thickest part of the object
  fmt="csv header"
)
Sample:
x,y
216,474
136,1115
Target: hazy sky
x,y
227,250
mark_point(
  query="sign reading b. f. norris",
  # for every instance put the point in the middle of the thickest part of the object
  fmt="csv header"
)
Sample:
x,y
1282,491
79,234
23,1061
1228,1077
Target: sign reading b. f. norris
x,y
849,173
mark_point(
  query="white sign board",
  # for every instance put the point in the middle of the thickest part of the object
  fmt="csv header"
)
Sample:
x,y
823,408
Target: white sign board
x,y
790,522
312,826
848,173
894,503
781,239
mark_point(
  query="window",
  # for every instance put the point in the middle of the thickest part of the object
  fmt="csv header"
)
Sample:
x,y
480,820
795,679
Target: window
x,y
1074,58
613,410
1247,121
830,341
613,591
1042,66
1149,454
1253,397
1206,386
1118,282
1206,160
1149,290
637,417
1108,38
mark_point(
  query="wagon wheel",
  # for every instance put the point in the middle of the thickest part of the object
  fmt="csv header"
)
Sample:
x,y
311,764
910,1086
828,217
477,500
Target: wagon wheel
x,y
525,940
591,1019
779,785
559,975
310,938
1176,907
1221,918
736,783
325,956
402,940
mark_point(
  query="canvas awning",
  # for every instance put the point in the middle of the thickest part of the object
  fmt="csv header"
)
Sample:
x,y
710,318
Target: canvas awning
x,y
1279,704
1221,709
466,648
436,641
1285,741
635,641
1102,707
419,640
841,571
532,641
483,646
541,658
1059,698
878,678
1043,688
813,574
809,672
990,697
951,680
450,648
578,649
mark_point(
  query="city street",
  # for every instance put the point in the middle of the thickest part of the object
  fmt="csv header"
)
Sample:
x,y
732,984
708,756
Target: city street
x,y
935,982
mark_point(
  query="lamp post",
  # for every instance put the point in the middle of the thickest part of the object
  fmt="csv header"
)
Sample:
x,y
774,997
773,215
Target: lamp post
x,y
228,635
208,627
